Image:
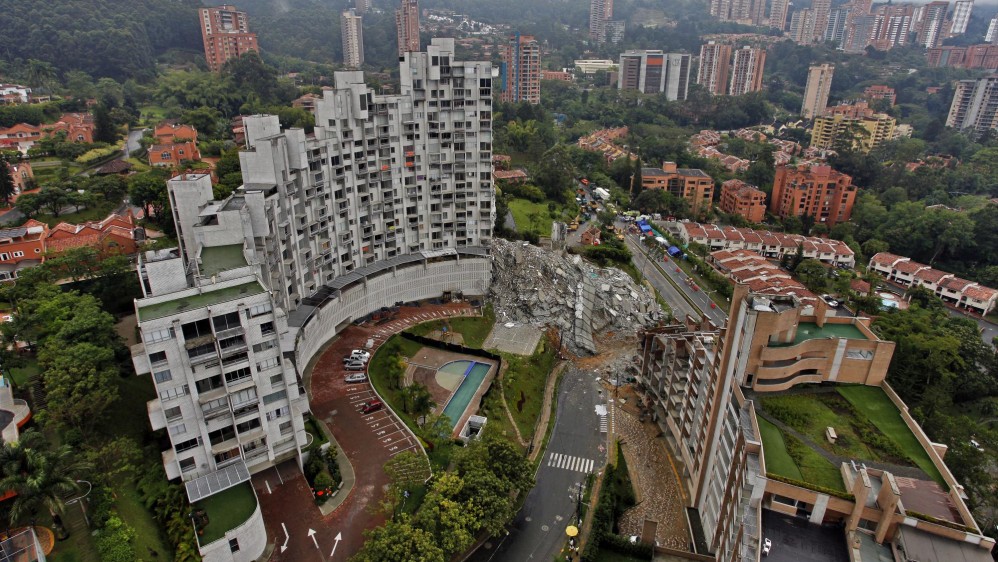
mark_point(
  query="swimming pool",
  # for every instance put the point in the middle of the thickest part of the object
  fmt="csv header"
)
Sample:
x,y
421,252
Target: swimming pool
x,y
474,373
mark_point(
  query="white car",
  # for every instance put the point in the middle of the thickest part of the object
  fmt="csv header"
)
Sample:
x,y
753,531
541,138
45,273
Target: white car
x,y
357,355
767,545
831,302
356,377
354,366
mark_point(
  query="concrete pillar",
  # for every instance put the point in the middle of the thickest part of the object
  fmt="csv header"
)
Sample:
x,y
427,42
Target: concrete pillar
x,y
861,489
818,513
888,500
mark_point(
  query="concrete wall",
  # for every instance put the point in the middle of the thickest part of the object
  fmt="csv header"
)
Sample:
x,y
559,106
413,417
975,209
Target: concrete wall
x,y
252,537
417,281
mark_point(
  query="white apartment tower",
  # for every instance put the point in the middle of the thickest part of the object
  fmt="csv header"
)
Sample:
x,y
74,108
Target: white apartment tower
x,y
991,36
352,29
961,16
390,201
975,106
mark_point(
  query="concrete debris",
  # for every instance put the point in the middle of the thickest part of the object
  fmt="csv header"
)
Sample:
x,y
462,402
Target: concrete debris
x,y
531,285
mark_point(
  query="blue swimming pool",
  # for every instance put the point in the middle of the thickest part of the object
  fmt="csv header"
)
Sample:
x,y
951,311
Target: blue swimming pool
x,y
474,374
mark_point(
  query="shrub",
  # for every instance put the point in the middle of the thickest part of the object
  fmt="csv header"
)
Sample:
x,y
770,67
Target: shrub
x,y
114,542
96,154
324,487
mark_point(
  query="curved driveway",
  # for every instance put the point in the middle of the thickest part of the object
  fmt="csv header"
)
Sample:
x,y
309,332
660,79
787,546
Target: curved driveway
x,y
368,441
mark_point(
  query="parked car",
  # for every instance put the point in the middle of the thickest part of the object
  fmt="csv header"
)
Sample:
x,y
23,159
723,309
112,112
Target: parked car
x,y
356,377
371,406
357,355
767,545
830,301
354,366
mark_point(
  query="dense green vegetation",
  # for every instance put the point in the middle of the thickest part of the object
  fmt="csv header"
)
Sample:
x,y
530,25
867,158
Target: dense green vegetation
x,y
42,40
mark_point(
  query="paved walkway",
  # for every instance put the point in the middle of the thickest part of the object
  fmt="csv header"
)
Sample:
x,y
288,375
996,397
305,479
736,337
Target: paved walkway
x,y
655,482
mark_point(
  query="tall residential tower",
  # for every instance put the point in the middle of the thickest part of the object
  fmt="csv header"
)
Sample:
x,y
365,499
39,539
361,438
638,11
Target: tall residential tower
x,y
352,29
715,62
746,71
819,83
407,27
521,70
226,35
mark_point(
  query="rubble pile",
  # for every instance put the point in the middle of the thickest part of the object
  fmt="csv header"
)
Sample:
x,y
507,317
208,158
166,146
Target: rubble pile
x,y
531,285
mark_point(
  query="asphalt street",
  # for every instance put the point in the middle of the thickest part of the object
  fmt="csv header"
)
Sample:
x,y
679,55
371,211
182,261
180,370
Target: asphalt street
x,y
656,271
576,447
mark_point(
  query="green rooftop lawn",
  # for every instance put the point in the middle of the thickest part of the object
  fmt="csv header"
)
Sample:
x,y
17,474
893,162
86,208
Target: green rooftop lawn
x,y
221,258
226,511
791,458
207,298
866,422
878,408
811,331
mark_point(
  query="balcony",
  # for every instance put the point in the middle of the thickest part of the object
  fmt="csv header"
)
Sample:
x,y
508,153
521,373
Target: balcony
x,y
156,417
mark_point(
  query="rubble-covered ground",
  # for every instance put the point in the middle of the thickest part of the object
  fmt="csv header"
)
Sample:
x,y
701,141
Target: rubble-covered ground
x,y
540,287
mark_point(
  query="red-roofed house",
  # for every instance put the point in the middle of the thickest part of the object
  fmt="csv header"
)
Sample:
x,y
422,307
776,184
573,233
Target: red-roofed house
x,y
171,155
168,132
958,292
78,127
515,176
20,172
769,244
116,234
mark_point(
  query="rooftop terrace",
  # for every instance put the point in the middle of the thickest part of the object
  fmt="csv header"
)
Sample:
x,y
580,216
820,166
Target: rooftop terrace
x,y
811,331
208,297
221,258
868,426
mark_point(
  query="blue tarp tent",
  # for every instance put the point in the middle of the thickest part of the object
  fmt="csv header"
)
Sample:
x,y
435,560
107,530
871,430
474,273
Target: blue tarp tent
x,y
674,251
645,229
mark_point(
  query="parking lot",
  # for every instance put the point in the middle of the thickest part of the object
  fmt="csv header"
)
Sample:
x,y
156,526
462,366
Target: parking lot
x,y
387,429
795,540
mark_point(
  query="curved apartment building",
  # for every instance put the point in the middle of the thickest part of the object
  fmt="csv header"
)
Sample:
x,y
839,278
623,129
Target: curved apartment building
x,y
390,200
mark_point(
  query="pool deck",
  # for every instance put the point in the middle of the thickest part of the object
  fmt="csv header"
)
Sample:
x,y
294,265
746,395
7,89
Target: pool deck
x,y
423,369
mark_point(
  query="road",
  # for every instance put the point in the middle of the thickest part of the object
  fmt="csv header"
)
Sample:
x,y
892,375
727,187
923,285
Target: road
x,y
656,272
132,143
576,446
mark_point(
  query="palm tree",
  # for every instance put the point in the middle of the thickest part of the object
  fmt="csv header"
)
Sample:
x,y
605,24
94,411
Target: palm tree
x,y
422,400
43,479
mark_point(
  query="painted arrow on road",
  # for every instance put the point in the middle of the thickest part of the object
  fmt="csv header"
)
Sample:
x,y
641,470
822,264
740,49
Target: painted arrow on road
x,y
339,537
311,533
287,537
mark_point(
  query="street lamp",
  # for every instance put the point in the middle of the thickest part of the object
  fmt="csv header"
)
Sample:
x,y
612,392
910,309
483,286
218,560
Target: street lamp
x,y
83,508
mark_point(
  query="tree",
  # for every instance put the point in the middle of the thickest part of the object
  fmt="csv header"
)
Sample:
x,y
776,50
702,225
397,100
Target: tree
x,y
637,180
148,190
875,246
28,204
7,187
44,480
400,539
422,401
54,199
813,275
104,130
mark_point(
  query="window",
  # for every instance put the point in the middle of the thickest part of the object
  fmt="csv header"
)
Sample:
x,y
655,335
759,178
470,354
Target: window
x,y
248,425
279,413
213,405
244,396
162,376
221,435
237,375
268,364
209,384
187,464
274,397
233,545
277,380
171,393
173,413
187,445
18,254
153,336
164,155
226,322
158,357
178,429
258,310
267,328
271,344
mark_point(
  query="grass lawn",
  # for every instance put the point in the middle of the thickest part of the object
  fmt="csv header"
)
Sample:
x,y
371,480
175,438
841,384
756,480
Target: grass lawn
x,y
149,536
474,329
878,408
139,165
530,216
789,457
319,437
152,114
20,375
778,460
226,511
87,214
523,385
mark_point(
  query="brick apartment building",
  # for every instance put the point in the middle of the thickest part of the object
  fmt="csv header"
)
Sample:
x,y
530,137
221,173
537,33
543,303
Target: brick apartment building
x,y
226,35
691,184
880,92
816,191
744,200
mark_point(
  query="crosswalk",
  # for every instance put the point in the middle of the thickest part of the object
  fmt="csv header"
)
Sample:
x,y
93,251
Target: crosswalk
x,y
601,412
568,462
